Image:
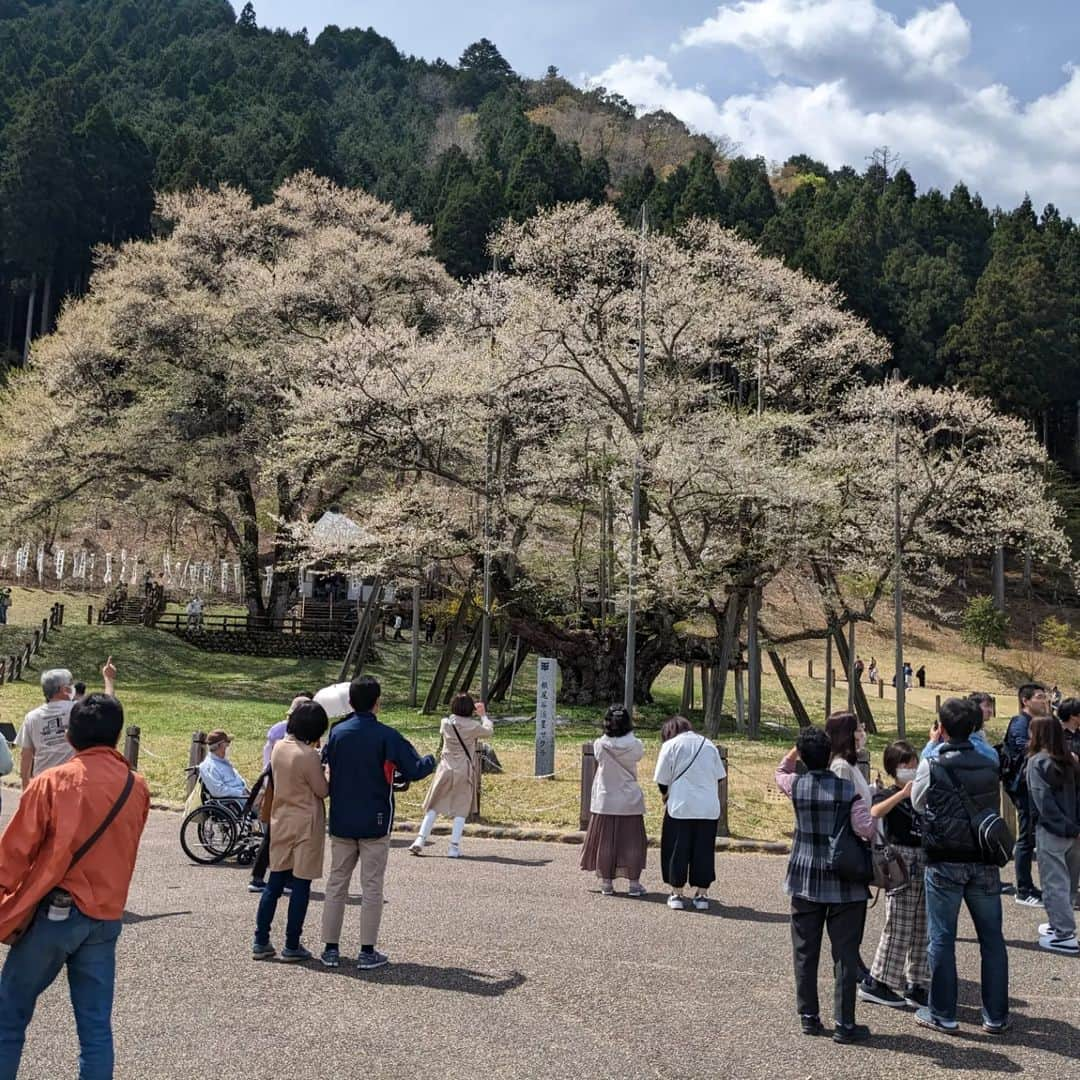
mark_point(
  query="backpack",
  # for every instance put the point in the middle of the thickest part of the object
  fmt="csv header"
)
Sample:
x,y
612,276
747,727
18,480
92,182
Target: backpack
x,y
993,838
1010,762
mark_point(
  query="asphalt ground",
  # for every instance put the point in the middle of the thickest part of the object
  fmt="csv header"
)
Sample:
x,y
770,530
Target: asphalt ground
x,y
509,963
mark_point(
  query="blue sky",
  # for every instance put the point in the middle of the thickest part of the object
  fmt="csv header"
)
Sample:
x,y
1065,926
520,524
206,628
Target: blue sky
x,y
978,90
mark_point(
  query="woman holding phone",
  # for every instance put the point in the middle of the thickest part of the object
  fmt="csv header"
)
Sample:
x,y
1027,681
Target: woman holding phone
x,y
687,771
452,789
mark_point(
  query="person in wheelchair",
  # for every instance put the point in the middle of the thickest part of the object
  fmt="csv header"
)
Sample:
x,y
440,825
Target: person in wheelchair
x,y
219,777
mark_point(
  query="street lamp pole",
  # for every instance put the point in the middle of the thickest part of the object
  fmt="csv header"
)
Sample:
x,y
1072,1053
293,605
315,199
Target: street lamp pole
x,y
635,509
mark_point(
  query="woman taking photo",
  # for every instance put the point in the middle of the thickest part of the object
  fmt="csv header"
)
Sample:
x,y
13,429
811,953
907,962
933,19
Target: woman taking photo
x,y
451,791
687,770
900,974
298,830
1053,783
615,842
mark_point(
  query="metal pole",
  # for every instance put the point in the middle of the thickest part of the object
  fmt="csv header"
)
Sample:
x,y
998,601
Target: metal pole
x,y
414,658
485,625
635,509
898,598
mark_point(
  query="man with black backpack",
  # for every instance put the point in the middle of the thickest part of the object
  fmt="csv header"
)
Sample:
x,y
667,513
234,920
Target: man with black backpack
x,y
966,843
1034,701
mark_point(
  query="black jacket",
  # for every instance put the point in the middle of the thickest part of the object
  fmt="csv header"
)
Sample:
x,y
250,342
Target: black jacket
x,y
947,830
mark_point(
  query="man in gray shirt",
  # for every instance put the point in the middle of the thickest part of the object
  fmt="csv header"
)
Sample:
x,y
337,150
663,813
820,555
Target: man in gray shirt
x,y
42,739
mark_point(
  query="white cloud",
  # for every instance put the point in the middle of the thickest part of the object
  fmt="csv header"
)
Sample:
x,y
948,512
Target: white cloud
x,y
848,76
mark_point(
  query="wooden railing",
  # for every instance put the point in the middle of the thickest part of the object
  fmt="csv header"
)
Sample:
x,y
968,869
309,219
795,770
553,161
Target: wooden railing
x,y
11,667
180,622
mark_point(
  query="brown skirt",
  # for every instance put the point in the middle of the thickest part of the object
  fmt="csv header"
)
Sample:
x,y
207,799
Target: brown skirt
x,y
615,846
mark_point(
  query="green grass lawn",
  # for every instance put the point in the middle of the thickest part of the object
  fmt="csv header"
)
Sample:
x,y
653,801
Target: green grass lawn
x,y
171,690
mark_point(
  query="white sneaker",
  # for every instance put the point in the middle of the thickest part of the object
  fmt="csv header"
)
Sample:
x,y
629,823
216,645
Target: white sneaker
x,y
1044,929
416,847
676,903
1060,944
453,852
701,903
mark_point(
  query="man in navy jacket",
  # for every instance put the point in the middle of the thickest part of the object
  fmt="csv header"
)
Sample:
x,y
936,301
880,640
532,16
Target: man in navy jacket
x,y
1034,701
363,756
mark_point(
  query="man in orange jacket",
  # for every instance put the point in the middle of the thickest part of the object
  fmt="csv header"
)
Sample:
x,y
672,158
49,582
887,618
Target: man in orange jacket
x,y
71,888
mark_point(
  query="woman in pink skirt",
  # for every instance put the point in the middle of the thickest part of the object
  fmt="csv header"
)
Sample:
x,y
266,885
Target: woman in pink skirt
x,y
615,843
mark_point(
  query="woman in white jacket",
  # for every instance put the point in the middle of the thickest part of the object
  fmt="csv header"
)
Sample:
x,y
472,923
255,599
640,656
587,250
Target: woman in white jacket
x,y
687,771
615,842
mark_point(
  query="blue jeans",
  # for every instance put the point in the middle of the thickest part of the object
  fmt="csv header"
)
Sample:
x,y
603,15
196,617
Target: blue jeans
x,y
1024,852
88,948
979,887
268,901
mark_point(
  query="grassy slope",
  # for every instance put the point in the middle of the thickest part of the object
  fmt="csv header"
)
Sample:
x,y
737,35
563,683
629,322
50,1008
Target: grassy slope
x,y
171,690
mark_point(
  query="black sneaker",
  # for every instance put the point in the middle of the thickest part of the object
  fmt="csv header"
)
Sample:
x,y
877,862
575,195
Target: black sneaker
x,y
879,994
1029,899
917,997
997,1029
812,1025
331,958
850,1034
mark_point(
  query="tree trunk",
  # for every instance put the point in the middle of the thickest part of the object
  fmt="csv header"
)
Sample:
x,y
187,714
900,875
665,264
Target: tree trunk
x,y
29,319
999,576
753,658
798,709
862,707
46,302
729,650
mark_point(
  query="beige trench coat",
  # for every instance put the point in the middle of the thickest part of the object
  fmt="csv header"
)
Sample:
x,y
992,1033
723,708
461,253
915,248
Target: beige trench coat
x,y
452,789
298,817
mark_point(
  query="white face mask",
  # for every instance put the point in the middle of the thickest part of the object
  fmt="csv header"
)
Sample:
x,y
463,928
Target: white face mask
x,y
905,776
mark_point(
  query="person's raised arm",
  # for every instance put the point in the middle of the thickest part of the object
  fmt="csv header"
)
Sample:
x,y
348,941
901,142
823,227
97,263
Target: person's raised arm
x,y
886,806
784,778
108,673
410,764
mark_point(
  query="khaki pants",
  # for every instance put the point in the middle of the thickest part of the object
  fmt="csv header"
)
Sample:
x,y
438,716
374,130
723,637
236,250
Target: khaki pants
x,y
344,854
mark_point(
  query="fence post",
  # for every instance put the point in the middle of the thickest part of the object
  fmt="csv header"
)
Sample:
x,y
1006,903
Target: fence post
x,y
588,771
722,790
881,688
809,669
44,630
3,670
993,705
59,614
89,614
131,746
195,756
937,703
862,763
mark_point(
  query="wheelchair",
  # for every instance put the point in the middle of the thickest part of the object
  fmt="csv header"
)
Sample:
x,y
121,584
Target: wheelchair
x,y
218,829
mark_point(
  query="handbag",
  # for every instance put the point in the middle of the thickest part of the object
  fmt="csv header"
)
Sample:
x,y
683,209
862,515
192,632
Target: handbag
x,y
891,874
849,855
24,925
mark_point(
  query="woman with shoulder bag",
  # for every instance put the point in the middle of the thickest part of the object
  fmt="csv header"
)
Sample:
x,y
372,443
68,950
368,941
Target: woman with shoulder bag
x,y
451,791
821,899
298,830
687,771
615,842
900,974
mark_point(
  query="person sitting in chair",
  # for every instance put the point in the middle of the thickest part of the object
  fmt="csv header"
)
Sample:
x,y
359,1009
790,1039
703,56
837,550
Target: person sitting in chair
x,y
217,773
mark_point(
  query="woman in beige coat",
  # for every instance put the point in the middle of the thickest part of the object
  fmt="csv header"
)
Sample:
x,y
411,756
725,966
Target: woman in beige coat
x,y
297,830
615,842
455,780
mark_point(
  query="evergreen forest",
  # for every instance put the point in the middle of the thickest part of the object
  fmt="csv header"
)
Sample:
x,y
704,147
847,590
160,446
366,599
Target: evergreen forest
x,y
105,102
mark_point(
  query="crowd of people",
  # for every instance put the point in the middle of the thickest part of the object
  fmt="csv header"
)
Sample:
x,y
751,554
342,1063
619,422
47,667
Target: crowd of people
x,y
62,893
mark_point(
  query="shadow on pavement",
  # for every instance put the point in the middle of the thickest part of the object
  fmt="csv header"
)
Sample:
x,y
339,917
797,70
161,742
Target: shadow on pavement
x,y
131,918
353,901
503,860
717,909
453,979
948,1052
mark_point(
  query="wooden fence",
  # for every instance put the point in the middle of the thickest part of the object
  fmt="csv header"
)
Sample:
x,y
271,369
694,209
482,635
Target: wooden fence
x,y
12,667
